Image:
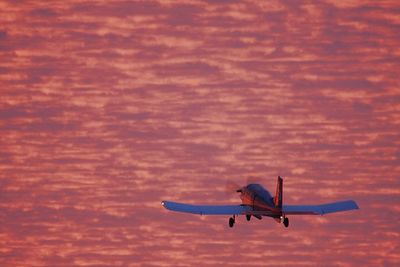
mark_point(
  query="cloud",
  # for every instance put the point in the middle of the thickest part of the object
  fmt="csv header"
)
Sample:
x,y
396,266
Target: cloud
x,y
108,108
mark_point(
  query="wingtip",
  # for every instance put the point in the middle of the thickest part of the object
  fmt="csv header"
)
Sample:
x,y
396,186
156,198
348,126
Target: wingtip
x,y
352,205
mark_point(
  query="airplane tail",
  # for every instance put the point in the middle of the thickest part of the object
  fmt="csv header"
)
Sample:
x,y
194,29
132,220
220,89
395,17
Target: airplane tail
x,y
279,192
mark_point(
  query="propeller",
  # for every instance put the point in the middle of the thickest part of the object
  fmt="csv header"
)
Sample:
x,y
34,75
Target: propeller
x,y
232,187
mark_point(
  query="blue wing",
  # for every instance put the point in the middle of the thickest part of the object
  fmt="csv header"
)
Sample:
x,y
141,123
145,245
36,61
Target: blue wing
x,y
207,209
320,209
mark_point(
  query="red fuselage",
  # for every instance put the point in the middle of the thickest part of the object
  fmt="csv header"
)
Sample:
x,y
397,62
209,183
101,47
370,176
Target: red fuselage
x,y
255,196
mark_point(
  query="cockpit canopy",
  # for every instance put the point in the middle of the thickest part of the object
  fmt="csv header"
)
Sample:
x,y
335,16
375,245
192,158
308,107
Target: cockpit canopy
x,y
261,193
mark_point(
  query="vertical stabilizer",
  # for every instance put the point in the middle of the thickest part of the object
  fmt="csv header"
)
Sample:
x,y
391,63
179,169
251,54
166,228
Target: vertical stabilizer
x,y
278,193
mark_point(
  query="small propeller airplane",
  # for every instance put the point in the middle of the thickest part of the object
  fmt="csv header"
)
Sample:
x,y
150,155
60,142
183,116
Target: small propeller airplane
x,y
258,202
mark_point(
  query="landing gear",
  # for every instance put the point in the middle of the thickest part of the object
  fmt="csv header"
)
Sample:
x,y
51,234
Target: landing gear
x,y
248,217
231,221
286,222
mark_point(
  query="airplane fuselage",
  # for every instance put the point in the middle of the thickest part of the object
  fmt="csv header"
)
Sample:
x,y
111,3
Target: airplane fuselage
x,y
257,197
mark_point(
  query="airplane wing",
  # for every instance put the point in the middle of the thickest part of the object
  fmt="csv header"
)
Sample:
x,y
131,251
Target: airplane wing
x,y
319,209
207,209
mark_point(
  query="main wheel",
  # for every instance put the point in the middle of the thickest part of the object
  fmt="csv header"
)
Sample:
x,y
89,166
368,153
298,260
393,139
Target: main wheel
x,y
231,222
286,222
248,217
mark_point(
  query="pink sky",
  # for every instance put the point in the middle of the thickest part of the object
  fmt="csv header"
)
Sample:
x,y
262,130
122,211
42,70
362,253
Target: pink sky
x,y
107,108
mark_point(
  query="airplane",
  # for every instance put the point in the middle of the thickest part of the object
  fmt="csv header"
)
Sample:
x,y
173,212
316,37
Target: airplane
x,y
258,202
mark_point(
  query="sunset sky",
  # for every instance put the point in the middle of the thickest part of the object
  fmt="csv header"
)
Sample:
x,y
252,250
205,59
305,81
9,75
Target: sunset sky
x,y
109,107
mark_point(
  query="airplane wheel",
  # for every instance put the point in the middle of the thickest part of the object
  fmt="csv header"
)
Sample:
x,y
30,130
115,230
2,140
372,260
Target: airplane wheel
x,y
286,222
248,217
231,222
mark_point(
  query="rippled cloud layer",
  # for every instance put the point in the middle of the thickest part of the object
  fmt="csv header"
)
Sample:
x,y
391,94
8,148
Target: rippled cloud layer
x,y
107,108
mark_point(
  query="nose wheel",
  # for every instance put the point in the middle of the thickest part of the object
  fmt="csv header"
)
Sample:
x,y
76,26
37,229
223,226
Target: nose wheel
x,y
232,221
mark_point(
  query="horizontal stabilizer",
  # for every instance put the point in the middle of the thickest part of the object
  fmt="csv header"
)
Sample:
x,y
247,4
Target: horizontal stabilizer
x,y
207,209
320,209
